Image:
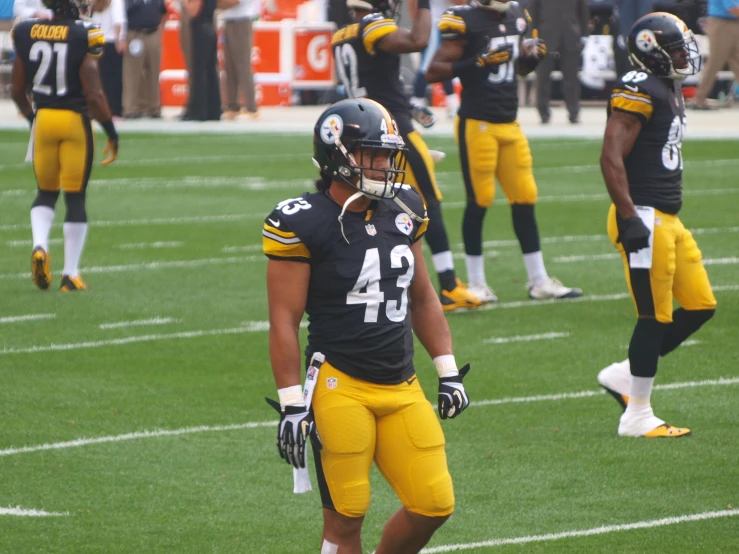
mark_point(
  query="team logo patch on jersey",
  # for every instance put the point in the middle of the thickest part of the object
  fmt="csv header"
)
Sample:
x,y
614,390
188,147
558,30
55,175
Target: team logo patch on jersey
x,y
371,231
332,383
646,41
520,24
404,223
331,129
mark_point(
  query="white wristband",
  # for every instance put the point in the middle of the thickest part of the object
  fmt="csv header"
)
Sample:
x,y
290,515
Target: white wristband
x,y
446,366
291,396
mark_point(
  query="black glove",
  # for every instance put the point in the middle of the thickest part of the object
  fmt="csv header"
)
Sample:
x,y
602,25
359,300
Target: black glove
x,y
423,115
495,57
452,396
535,48
296,425
632,234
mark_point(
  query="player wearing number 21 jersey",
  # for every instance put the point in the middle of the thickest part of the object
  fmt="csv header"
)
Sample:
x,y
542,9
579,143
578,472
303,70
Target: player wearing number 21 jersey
x,y
349,255
483,45
642,167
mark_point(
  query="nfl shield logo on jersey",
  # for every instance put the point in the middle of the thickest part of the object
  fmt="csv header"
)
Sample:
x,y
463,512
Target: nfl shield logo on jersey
x,y
371,231
331,383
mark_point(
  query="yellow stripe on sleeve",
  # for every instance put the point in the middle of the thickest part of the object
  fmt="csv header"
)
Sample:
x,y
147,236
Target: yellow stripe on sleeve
x,y
95,42
422,229
451,24
632,104
276,249
275,231
375,31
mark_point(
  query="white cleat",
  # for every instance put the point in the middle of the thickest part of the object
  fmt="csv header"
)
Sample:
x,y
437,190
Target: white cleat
x,y
638,423
437,155
482,292
616,379
552,289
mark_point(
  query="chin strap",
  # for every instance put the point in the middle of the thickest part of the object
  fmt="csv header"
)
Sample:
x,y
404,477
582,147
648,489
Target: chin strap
x,y
407,210
351,199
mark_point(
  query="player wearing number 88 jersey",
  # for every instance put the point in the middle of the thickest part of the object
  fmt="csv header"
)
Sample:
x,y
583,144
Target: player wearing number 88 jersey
x,y
642,168
349,255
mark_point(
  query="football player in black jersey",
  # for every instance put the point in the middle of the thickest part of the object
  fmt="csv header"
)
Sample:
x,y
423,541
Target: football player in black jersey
x,y
57,61
642,168
483,45
349,255
367,54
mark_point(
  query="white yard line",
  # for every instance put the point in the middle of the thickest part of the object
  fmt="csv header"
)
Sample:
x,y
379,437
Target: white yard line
x,y
15,192
242,183
146,245
21,318
138,323
257,424
150,266
18,511
616,255
188,220
239,249
29,243
584,532
525,338
720,261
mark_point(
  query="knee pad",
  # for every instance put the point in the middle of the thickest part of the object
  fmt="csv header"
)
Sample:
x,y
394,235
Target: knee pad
x,y
76,212
45,198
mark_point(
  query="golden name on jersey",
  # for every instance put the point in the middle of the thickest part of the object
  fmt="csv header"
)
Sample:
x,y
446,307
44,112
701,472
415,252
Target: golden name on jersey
x,y
49,32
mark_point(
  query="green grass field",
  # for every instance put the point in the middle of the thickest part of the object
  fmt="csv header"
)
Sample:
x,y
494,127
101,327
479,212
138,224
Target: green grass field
x,y
174,244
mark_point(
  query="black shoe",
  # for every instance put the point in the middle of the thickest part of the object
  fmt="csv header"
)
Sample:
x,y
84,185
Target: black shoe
x,y
155,116
575,119
545,120
133,116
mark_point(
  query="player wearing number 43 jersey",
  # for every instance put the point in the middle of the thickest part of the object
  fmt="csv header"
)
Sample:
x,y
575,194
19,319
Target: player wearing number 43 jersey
x,y
483,45
57,61
642,167
350,257
367,56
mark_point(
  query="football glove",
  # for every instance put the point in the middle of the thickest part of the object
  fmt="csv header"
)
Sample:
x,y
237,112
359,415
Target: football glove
x,y
296,426
423,115
111,151
495,57
632,234
453,398
535,48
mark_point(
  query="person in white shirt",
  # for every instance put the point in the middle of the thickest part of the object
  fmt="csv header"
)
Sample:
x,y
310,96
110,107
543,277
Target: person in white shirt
x,y
111,16
30,9
238,38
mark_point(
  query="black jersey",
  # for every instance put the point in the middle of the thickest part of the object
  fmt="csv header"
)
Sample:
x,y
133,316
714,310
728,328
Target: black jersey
x,y
655,164
358,300
52,53
368,72
487,95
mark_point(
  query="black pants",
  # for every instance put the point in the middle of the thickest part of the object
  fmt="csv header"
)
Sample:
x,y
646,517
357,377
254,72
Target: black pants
x,y
111,73
205,92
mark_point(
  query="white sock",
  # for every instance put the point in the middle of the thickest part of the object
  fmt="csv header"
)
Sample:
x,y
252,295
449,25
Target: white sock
x,y
443,261
418,101
535,268
41,219
74,243
475,270
640,391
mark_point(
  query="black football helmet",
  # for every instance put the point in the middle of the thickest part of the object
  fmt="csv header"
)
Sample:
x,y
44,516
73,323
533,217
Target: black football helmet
x,y
63,9
662,44
349,125
388,8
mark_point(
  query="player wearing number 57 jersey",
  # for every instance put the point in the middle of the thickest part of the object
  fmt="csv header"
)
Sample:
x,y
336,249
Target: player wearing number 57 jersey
x,y
642,167
483,45
367,56
349,255
57,61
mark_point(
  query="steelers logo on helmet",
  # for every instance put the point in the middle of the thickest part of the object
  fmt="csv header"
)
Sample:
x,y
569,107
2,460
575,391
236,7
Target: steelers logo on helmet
x,y
404,224
646,41
331,128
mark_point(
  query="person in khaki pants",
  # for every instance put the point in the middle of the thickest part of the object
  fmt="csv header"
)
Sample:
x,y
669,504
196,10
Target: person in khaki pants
x,y
237,33
722,28
142,60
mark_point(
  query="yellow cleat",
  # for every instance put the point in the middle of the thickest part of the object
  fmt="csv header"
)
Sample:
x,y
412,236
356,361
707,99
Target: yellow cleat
x,y
459,298
667,431
40,268
72,283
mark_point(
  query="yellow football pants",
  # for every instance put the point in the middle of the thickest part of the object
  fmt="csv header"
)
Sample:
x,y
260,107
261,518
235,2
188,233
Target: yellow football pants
x,y
395,426
63,149
490,150
677,270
